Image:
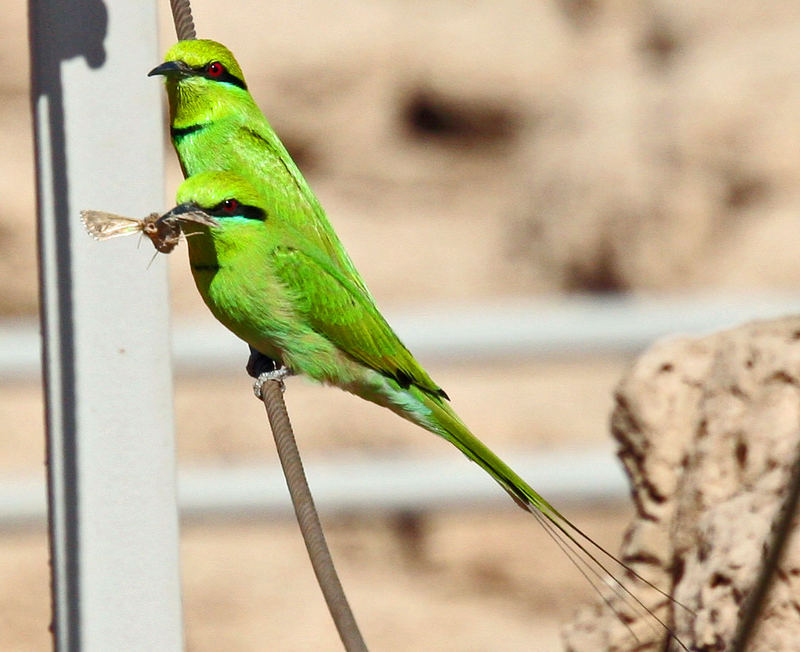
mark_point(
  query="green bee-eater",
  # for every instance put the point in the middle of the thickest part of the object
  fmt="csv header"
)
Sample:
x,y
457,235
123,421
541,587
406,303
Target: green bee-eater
x,y
282,294
284,297
216,125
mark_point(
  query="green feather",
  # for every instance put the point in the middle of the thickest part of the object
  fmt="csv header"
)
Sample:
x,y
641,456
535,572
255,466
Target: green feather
x,y
220,127
347,317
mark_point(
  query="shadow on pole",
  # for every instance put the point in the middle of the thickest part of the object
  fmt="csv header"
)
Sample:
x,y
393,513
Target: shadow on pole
x,y
59,31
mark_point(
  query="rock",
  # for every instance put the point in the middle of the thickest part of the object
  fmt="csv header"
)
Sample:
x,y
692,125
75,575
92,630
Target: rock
x,y
708,432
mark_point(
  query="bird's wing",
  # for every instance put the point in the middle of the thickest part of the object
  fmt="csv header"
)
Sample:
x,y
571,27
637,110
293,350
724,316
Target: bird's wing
x,y
347,316
262,155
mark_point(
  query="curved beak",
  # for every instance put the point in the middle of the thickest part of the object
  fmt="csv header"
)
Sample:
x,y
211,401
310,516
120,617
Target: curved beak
x,y
189,212
171,68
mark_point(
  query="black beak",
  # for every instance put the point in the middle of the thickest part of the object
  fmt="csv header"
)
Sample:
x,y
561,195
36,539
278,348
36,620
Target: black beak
x,y
171,68
189,212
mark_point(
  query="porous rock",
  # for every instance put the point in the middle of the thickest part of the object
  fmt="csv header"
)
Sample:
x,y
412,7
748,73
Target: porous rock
x,y
708,432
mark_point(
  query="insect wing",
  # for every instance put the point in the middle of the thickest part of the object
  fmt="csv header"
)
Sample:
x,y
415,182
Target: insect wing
x,y
102,226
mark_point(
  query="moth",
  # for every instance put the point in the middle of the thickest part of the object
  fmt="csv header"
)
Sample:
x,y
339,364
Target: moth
x,y
164,231
164,234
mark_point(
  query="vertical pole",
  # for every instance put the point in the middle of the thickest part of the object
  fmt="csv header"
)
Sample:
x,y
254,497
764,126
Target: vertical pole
x,y
110,450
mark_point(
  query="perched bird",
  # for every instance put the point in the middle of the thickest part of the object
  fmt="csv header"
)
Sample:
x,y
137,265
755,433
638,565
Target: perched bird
x,y
281,293
284,297
216,125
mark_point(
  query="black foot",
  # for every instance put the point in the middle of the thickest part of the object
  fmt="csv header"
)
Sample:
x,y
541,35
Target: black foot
x,y
259,364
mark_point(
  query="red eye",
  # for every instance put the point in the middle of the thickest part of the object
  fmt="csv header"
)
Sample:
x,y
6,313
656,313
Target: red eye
x,y
230,206
215,69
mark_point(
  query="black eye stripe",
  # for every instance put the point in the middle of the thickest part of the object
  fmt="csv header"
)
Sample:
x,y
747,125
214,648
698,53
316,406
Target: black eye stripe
x,y
226,77
242,210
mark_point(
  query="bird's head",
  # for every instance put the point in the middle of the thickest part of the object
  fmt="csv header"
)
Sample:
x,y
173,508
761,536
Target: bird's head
x,y
216,199
199,72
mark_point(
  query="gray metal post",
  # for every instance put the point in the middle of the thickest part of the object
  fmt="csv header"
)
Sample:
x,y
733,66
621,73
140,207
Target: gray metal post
x,y
113,516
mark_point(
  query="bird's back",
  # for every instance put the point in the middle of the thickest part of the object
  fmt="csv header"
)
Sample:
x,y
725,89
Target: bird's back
x,y
245,143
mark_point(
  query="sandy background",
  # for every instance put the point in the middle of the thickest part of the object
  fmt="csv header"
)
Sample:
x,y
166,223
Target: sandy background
x,y
463,151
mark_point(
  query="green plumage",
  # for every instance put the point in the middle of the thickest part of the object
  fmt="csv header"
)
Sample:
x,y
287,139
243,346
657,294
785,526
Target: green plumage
x,y
274,272
216,125
265,282
285,284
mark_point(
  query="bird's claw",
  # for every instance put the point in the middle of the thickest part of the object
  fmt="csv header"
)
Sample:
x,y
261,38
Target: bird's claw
x,y
276,374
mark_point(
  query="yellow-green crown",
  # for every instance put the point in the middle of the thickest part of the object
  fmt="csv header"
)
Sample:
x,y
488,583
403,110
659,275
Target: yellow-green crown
x,y
209,189
197,53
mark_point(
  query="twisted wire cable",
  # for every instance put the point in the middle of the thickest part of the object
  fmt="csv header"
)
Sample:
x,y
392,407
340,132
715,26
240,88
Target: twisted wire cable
x,y
182,17
307,518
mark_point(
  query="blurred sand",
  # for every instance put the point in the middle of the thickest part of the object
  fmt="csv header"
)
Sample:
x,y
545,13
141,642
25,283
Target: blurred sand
x,y
463,151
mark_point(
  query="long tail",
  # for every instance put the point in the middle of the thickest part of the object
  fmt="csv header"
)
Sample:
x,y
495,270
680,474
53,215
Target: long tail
x,y
590,558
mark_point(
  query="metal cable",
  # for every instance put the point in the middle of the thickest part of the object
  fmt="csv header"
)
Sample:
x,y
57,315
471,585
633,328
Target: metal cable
x,y
182,17
307,518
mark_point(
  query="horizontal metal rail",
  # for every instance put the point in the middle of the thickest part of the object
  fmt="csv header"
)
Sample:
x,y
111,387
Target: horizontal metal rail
x,y
351,485
499,329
